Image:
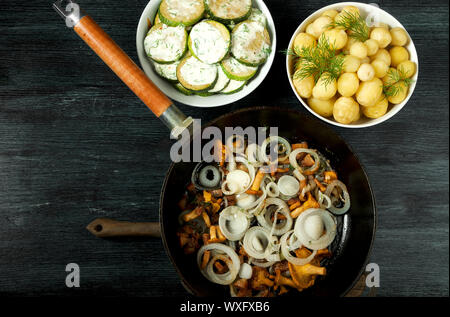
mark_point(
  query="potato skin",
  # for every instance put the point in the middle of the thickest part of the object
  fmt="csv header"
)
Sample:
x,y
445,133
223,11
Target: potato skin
x,y
399,37
401,95
330,13
304,86
383,55
366,72
348,84
321,23
408,68
359,50
378,110
398,54
323,108
372,47
346,110
369,92
303,40
351,64
322,91
336,37
380,67
382,36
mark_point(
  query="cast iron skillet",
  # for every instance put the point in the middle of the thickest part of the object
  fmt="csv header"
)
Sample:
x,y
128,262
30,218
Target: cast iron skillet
x,y
356,229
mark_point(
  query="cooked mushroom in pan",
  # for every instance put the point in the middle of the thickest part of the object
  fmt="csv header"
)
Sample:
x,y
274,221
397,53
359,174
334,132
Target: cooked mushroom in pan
x,y
262,224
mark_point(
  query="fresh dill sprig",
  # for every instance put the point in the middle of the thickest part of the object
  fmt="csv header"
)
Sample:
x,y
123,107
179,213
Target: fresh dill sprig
x,y
321,60
390,88
354,23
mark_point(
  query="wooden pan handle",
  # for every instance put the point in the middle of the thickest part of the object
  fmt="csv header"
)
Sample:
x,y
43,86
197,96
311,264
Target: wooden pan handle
x,y
108,228
122,65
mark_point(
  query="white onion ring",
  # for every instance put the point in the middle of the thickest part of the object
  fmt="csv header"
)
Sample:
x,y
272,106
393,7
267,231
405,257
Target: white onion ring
x,y
229,143
294,163
263,264
250,168
277,139
330,227
272,190
253,154
285,250
288,186
224,279
249,239
323,197
229,217
265,221
328,191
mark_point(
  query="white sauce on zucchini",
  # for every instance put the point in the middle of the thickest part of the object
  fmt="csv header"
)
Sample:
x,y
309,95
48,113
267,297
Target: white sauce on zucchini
x,y
229,9
184,9
208,43
222,80
196,73
235,67
258,16
168,71
248,42
233,85
165,43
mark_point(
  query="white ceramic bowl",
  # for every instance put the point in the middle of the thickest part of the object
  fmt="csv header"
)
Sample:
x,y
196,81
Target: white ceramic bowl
x,y
383,17
193,100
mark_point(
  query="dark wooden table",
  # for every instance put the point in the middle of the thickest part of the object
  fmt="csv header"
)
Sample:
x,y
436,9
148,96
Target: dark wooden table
x,y
75,145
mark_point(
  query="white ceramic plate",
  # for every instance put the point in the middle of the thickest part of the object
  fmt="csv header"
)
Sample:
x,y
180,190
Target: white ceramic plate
x,y
198,101
384,17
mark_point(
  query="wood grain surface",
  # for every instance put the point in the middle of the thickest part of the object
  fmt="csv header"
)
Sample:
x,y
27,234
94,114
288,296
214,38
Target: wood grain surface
x,y
76,144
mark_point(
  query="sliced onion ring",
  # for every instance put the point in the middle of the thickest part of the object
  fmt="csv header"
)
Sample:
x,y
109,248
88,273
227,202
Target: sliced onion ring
x,y
265,221
294,163
285,250
277,139
328,191
226,278
252,237
233,223
325,240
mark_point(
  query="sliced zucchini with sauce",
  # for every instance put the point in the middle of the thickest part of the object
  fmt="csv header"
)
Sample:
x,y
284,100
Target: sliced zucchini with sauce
x,y
222,81
209,41
157,20
167,71
233,87
250,43
196,75
258,16
181,12
228,11
166,44
236,70
183,90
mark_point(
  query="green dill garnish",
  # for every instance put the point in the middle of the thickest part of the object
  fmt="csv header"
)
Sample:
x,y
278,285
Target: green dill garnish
x,y
318,61
390,87
354,23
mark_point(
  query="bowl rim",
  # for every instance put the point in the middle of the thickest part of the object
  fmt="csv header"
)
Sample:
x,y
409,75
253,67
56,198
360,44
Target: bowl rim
x,y
413,56
217,100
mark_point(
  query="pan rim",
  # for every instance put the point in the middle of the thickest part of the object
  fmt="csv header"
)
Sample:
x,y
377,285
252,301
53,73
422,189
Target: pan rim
x,y
273,108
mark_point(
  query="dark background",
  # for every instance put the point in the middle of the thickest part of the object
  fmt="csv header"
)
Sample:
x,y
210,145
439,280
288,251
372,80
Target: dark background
x,y
76,144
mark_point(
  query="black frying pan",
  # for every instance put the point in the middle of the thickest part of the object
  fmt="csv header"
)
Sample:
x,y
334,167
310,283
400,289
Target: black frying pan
x,y
356,229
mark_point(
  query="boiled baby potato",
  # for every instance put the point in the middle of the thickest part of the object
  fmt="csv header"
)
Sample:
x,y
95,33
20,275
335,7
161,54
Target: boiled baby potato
x,y
378,110
407,68
359,49
350,42
399,37
402,92
382,36
380,67
310,30
351,64
398,54
303,40
366,72
322,107
389,79
330,13
383,55
321,24
372,47
369,92
336,37
348,84
304,86
346,110
323,90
